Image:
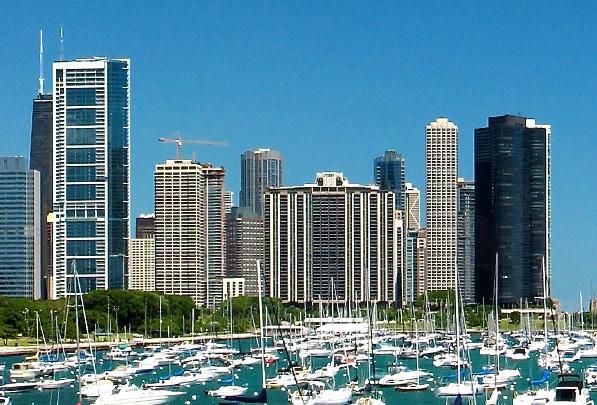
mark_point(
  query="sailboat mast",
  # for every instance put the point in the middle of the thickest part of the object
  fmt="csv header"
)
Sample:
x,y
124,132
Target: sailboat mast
x,y
259,295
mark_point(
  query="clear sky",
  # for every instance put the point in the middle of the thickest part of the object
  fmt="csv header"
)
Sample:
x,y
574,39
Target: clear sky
x,y
331,85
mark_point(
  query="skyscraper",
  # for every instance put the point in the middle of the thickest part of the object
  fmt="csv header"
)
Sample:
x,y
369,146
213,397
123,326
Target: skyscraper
x,y
466,240
215,198
441,164
20,229
260,170
512,208
244,246
389,171
91,126
190,230
40,159
330,241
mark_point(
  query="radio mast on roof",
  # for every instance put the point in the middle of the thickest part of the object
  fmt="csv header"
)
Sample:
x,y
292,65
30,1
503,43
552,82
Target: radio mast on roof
x,y
61,44
41,62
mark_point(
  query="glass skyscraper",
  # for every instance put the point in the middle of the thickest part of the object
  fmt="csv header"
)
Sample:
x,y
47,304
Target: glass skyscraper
x,y
91,174
20,229
389,172
512,208
260,169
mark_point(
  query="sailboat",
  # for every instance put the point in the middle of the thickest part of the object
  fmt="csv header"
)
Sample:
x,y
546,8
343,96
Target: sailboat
x,y
501,376
235,393
459,388
412,385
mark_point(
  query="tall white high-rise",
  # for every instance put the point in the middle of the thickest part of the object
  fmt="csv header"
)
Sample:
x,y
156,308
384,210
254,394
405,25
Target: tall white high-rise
x,y
91,171
441,157
190,230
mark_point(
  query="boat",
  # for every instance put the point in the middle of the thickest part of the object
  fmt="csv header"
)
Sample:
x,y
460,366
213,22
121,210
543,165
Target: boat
x,y
590,374
570,390
227,391
17,387
131,394
53,384
97,388
412,386
26,371
5,401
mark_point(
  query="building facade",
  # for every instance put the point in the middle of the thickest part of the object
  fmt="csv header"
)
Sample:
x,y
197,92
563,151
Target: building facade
x,y
40,159
91,162
141,265
466,240
441,171
412,207
144,224
260,169
512,208
244,246
389,173
330,241
20,229
190,230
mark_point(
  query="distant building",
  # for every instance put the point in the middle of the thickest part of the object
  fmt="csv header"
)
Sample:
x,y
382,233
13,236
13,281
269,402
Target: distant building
x,y
330,241
228,198
20,229
412,207
41,159
141,266
466,240
244,246
91,124
441,167
260,169
512,208
409,283
144,224
215,195
141,260
233,287
421,263
189,230
389,171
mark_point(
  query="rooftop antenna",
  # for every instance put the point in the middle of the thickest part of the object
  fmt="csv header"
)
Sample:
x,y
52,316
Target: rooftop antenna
x,y
41,62
61,44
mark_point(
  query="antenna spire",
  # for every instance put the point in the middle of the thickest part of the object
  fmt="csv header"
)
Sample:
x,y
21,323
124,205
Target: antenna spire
x,y
61,44
41,62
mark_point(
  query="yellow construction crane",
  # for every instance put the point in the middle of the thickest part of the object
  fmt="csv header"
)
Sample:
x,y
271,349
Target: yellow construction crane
x,y
178,141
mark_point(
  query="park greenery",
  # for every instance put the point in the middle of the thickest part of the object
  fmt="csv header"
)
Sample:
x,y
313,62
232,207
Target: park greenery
x,y
109,314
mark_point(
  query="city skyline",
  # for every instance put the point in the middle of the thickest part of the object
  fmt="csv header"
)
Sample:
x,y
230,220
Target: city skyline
x,y
357,102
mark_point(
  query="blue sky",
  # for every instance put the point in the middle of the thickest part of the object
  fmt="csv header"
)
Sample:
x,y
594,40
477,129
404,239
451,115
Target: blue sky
x,y
332,85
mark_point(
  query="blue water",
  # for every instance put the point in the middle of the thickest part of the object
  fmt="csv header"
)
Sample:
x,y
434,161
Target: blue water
x,y
252,377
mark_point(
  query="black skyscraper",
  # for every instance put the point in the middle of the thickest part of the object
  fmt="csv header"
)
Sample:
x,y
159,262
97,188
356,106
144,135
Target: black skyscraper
x,y
40,159
512,208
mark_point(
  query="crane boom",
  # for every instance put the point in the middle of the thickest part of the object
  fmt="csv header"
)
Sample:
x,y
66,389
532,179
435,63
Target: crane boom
x,y
179,141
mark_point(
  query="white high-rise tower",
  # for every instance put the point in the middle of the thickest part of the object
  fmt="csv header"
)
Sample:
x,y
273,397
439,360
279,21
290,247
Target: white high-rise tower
x,y
91,161
441,158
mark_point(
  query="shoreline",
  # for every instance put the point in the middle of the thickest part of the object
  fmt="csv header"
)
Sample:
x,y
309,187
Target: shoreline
x,y
29,349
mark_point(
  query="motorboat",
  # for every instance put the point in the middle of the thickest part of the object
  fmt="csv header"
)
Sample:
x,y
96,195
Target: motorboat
x,y
590,375
5,401
97,388
53,384
131,394
17,387
228,391
26,371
